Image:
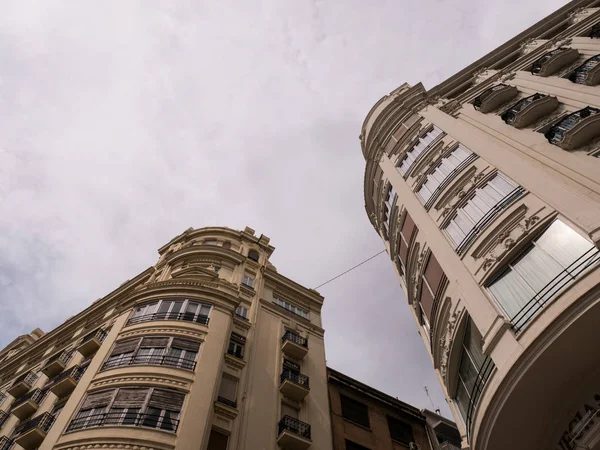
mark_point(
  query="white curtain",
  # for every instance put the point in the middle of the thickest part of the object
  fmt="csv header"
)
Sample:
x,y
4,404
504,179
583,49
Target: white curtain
x,y
419,148
442,172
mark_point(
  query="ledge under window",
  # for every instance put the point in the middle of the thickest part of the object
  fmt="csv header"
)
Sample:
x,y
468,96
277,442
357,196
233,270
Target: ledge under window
x,y
588,73
553,61
530,109
494,97
576,129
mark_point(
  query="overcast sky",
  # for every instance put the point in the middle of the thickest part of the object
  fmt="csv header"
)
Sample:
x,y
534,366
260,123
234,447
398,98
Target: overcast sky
x,y
123,123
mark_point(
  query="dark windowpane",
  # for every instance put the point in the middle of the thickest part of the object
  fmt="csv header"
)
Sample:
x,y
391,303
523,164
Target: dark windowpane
x,y
354,446
355,411
217,441
400,431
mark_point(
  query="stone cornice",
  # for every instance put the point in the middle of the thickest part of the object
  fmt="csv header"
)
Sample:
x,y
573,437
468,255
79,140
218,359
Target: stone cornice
x,y
293,289
284,314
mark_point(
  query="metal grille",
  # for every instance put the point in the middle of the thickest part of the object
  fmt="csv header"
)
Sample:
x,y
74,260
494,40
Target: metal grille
x,y
6,443
99,334
482,377
43,422
154,360
227,402
124,419
295,377
293,337
293,425
36,396
188,317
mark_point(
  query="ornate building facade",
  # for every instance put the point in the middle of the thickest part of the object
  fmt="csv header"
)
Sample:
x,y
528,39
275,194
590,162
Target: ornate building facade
x,y
486,192
210,349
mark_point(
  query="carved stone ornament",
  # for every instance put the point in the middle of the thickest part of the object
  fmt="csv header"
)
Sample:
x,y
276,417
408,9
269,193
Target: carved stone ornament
x,y
509,239
482,74
529,45
446,340
416,275
225,411
466,187
580,14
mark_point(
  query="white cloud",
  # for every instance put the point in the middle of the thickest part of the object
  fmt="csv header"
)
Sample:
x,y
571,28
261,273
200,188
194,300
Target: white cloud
x,y
124,123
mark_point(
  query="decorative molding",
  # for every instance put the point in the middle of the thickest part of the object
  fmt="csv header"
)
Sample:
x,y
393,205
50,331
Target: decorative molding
x,y
233,362
226,411
447,339
177,331
461,188
133,380
417,274
580,14
244,324
497,233
113,446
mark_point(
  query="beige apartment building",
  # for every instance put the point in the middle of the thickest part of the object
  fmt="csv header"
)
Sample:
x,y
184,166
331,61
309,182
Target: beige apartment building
x,y
486,192
210,349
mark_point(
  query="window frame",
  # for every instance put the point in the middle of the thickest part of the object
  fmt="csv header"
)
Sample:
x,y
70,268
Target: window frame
x,y
354,404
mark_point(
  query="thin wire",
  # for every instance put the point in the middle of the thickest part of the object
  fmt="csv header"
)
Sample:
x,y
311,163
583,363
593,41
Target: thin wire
x,y
351,269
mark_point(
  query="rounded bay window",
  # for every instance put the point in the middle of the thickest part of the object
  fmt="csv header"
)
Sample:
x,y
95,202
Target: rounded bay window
x,y
172,308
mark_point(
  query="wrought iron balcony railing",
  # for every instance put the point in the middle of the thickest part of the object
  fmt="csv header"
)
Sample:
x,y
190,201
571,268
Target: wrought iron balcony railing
x,y
487,93
151,360
36,396
295,377
227,402
510,115
63,357
74,372
29,378
581,74
6,443
3,416
188,317
595,32
531,308
124,419
482,377
295,338
99,334
293,425
538,65
43,422
556,133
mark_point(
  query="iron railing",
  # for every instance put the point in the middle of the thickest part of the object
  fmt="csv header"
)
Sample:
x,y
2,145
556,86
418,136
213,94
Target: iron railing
x,y
36,396
99,334
482,377
6,443
185,316
74,372
227,402
511,114
63,357
295,338
294,377
488,218
539,300
580,74
135,419
556,133
42,422
485,94
151,360
421,155
595,32
293,425
3,416
237,352
449,178
29,378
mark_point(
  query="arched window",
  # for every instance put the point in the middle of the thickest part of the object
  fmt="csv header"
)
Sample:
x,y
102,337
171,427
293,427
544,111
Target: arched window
x,y
253,255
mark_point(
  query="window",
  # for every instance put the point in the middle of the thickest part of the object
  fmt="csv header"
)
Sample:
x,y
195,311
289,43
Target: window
x,y
446,170
253,255
355,411
242,312
484,200
423,144
217,441
290,307
154,350
248,281
407,234
172,309
146,407
236,345
228,391
400,431
354,446
534,276
469,372
210,242
433,281
390,200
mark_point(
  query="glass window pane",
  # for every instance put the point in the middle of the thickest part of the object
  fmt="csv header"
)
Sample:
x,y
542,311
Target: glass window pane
x,y
511,292
462,400
537,268
563,243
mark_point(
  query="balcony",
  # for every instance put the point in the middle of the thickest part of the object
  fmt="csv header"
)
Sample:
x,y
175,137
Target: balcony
x,y
30,434
151,360
22,384
294,345
3,417
6,443
225,401
57,363
25,406
486,369
588,73
185,316
576,129
91,342
553,61
293,434
494,97
134,419
529,110
294,384
595,32
64,383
